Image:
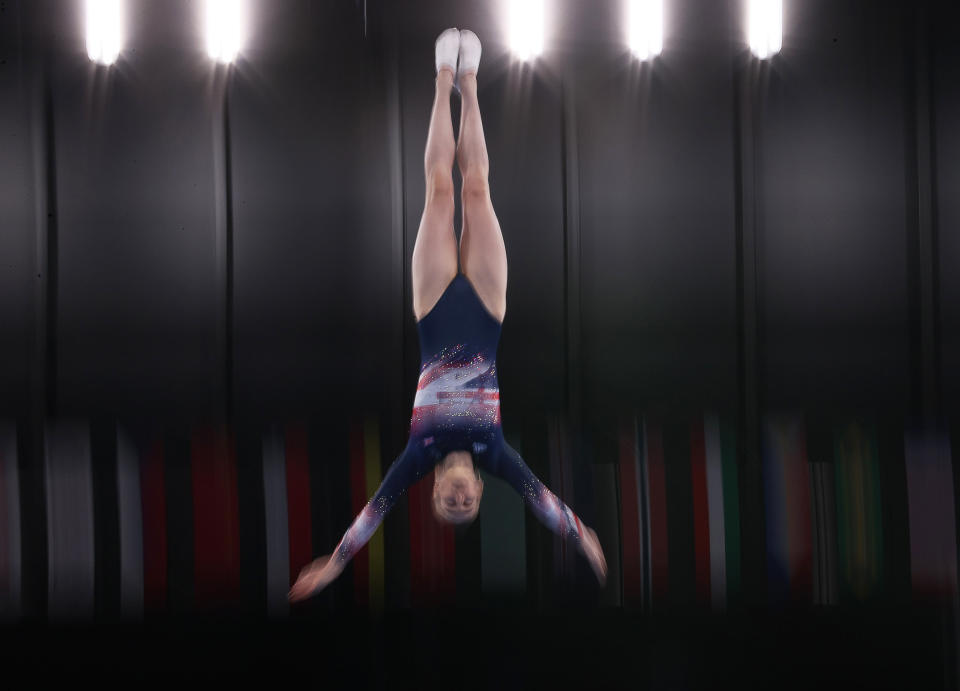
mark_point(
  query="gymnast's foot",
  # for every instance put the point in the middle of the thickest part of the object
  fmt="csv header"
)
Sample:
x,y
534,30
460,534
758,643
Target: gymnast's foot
x,y
469,55
447,48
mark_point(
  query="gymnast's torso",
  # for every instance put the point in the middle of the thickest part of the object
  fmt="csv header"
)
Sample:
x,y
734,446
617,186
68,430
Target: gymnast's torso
x,y
457,404
457,407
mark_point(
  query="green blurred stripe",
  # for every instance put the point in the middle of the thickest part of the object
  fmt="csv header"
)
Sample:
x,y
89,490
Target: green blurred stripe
x,y
731,509
503,549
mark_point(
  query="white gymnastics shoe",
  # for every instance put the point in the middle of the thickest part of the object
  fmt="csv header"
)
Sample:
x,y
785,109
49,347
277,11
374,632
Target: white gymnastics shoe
x,y
469,54
447,48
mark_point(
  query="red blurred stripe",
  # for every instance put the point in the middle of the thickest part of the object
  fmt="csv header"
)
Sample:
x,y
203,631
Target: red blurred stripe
x,y
154,503
298,498
432,554
701,513
216,526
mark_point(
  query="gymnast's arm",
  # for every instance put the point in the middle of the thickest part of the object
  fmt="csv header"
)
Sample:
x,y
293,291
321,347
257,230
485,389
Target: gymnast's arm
x,y
403,472
548,508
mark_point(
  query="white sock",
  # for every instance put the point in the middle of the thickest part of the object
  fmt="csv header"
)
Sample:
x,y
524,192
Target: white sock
x,y
447,48
469,54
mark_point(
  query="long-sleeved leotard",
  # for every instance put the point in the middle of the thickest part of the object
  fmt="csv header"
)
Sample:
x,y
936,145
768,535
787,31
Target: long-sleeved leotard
x,y
457,407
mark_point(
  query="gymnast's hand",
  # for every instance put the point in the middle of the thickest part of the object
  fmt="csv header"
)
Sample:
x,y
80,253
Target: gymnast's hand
x,y
314,577
590,548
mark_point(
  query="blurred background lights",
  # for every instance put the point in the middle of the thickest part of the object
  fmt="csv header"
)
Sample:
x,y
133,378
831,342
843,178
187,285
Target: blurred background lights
x,y
766,27
224,29
103,30
525,26
645,26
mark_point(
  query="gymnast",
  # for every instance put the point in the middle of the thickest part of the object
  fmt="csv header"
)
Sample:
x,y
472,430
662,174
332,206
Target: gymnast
x,y
455,426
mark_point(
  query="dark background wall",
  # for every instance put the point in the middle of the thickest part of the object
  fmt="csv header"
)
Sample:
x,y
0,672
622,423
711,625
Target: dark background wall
x,y
624,190
181,243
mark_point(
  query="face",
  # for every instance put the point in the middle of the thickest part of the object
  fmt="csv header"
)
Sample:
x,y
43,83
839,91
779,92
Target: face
x,y
457,491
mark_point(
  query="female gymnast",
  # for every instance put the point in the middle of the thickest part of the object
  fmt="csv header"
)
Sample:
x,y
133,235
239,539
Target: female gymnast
x,y
455,426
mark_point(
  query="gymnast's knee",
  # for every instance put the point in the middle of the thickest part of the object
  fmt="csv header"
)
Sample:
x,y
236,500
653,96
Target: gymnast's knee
x,y
476,187
439,185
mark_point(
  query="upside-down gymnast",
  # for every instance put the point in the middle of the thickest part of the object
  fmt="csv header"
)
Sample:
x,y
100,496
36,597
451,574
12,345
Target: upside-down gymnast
x,y
455,426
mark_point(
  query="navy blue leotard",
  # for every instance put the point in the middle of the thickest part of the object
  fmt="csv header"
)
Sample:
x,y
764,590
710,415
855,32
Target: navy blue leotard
x,y
457,407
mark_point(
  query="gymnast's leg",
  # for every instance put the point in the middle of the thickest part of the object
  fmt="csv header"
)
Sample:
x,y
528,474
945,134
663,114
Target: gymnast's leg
x,y
434,262
483,255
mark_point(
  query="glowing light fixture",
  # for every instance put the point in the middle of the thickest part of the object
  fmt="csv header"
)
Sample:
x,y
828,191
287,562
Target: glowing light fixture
x,y
645,22
766,27
526,28
103,30
224,29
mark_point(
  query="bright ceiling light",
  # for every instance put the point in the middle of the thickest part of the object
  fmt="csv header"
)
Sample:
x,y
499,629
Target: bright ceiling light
x,y
526,28
645,23
766,27
224,29
103,30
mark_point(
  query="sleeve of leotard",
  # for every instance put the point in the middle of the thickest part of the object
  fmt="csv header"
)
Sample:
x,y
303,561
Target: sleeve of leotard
x,y
408,467
548,507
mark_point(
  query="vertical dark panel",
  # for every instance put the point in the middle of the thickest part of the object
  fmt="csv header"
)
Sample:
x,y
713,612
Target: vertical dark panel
x,y
19,205
657,214
945,135
23,209
136,288
33,520
468,563
252,527
522,121
314,252
921,232
747,74
179,506
330,486
831,208
387,27
51,243
894,510
570,160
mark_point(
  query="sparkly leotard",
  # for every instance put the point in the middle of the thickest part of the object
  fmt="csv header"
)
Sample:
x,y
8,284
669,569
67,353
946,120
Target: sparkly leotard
x,y
457,407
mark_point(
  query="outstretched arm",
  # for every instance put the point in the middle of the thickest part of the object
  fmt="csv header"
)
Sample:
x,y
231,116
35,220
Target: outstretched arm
x,y
403,472
548,508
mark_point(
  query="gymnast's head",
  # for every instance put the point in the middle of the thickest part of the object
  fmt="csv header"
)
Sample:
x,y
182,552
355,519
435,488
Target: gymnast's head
x,y
457,488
